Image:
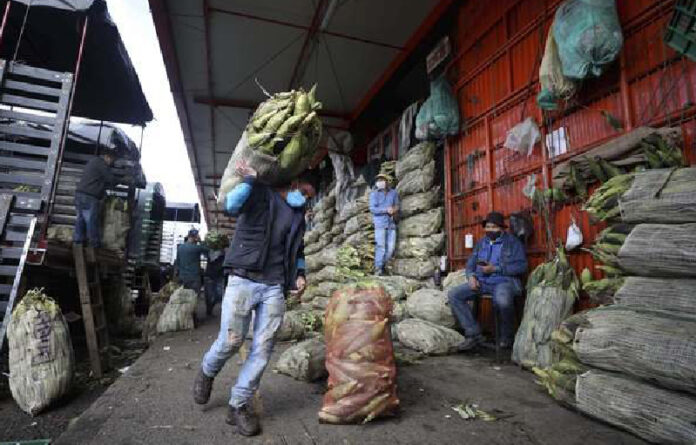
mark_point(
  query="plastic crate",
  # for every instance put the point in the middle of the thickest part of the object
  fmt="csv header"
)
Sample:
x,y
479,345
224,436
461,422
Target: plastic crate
x,y
681,31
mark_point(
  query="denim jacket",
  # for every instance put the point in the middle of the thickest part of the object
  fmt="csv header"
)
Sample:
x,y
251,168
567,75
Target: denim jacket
x,y
513,259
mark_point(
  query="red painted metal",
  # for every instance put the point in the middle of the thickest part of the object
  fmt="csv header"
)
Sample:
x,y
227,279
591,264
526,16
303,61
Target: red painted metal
x,y
251,105
163,28
304,27
499,41
307,46
4,20
209,75
413,41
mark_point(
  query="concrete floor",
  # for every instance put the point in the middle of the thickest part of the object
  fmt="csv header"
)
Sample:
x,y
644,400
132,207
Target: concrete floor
x,y
152,404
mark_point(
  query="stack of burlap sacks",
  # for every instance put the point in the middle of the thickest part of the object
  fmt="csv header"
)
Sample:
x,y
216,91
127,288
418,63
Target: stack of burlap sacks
x,y
421,318
632,363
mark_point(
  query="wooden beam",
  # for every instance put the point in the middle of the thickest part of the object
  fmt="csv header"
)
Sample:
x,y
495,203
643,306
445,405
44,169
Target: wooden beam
x,y
251,105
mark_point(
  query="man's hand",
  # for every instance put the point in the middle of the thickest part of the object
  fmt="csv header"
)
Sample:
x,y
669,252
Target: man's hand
x,y
242,168
300,283
473,283
391,210
488,269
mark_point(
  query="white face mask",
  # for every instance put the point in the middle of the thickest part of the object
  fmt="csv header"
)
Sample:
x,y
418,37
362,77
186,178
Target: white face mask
x,y
381,184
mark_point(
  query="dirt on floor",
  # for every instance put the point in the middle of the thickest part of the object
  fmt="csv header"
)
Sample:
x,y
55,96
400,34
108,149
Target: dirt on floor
x,y
152,404
17,425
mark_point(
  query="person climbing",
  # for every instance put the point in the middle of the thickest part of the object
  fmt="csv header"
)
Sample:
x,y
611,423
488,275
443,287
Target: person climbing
x,y
89,193
494,268
265,260
384,206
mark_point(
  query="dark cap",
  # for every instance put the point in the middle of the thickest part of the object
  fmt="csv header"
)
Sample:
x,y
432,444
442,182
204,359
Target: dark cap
x,y
192,232
496,218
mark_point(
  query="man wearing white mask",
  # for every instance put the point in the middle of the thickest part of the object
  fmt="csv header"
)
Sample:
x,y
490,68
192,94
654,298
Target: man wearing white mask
x,y
265,261
384,205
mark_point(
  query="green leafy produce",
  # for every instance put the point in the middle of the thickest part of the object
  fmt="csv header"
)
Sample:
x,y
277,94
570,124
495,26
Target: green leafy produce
x,y
216,240
604,202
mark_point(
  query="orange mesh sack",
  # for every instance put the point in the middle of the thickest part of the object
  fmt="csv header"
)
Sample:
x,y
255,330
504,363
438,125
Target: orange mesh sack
x,y
359,355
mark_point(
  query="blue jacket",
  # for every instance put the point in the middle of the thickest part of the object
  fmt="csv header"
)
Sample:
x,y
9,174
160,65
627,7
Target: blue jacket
x,y
513,259
379,203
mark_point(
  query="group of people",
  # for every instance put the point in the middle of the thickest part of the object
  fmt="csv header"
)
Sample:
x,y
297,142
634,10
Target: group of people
x,y
265,260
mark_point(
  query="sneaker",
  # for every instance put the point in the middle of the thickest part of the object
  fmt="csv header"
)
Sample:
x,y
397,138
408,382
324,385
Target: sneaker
x,y
470,343
379,272
202,387
505,344
246,419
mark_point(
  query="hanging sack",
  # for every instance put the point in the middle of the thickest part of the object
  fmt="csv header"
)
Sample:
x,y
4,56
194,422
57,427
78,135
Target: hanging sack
x,y
523,136
554,84
439,115
574,238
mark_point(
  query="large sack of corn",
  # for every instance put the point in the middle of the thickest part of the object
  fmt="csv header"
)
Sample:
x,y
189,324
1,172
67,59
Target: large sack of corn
x,y
352,208
552,289
415,159
119,310
398,287
654,414
423,224
279,141
304,361
661,196
660,250
420,246
60,233
159,301
292,328
454,279
178,313
359,355
328,273
417,181
413,267
428,338
215,240
419,202
431,305
662,294
656,346
115,224
357,223
41,357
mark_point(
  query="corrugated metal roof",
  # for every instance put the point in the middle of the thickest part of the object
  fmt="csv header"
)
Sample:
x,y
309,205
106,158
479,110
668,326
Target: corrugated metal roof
x,y
215,50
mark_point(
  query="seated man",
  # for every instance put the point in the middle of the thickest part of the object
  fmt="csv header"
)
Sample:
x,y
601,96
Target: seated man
x,y
494,268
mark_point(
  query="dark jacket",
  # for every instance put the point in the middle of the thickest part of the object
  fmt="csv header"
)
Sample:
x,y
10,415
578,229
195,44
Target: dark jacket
x,y
252,236
513,259
96,178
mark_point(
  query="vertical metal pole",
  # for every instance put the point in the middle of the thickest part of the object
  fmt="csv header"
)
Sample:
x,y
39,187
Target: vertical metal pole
x,y
449,202
625,94
97,145
4,20
61,149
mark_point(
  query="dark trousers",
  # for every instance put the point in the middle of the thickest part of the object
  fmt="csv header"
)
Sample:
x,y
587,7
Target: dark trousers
x,y
87,225
503,301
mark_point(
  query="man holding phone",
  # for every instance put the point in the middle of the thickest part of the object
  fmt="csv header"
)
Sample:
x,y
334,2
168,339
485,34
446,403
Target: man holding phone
x,y
494,268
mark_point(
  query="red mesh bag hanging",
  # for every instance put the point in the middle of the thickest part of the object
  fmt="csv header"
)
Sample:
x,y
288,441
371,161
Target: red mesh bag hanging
x,y
359,355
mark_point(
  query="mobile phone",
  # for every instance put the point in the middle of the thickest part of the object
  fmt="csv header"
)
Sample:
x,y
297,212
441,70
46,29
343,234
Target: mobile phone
x,y
481,263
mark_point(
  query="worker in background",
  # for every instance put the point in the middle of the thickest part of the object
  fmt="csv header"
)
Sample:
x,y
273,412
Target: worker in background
x,y
384,205
265,260
187,265
214,279
89,193
494,268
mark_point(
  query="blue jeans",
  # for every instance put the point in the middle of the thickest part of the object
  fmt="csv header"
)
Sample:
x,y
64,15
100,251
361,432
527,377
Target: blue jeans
x,y
503,301
214,290
385,243
243,297
88,210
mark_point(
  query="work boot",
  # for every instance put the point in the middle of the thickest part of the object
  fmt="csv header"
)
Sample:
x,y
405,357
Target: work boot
x,y
379,272
246,419
470,343
202,387
505,344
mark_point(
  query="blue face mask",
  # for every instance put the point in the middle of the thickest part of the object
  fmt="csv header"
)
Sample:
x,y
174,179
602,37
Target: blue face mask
x,y
295,199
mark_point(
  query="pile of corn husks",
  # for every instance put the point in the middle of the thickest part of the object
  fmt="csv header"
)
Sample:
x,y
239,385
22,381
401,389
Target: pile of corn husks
x,y
216,240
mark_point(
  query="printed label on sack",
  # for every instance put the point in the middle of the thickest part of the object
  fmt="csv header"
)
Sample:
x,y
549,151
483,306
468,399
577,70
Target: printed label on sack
x,y
42,335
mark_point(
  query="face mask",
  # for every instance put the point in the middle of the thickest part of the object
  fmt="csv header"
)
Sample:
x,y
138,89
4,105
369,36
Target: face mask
x,y
295,199
381,185
493,235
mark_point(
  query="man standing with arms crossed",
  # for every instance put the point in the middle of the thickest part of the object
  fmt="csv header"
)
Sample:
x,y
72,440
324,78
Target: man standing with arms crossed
x,y
265,260
384,205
